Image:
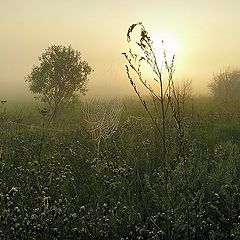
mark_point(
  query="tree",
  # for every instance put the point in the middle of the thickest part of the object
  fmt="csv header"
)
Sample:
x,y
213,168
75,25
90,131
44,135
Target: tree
x,y
60,77
225,86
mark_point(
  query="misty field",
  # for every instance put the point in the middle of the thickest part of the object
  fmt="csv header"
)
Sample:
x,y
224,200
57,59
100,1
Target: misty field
x,y
61,182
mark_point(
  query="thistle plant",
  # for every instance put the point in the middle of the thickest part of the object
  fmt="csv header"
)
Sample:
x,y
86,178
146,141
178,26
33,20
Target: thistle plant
x,y
164,96
167,99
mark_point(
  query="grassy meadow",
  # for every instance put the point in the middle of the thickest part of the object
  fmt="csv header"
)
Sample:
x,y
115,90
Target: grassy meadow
x,y
58,181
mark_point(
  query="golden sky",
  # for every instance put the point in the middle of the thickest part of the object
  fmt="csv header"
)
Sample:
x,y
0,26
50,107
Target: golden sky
x,y
206,35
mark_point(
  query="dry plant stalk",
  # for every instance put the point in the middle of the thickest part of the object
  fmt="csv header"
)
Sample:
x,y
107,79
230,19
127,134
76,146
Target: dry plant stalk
x,y
168,97
164,94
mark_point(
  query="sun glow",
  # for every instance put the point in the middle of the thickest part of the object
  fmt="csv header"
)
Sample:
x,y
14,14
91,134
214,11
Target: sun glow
x,y
165,42
161,42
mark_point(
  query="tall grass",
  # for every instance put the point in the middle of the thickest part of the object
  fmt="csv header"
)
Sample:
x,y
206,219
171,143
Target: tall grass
x,y
76,195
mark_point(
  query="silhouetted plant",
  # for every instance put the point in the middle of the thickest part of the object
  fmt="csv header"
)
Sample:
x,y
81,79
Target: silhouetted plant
x,y
166,98
168,102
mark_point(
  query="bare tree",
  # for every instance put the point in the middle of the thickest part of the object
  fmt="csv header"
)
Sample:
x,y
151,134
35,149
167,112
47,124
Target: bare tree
x,y
225,86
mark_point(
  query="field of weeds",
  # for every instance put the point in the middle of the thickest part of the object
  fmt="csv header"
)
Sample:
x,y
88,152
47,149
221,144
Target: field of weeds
x,y
84,180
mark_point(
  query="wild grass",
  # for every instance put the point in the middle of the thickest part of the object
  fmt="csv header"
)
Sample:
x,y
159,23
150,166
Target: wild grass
x,y
72,193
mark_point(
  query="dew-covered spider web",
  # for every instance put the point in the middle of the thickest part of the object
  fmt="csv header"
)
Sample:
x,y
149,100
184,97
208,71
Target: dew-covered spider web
x,y
102,118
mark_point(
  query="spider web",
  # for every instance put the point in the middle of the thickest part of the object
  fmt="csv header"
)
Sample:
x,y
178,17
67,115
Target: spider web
x,y
102,118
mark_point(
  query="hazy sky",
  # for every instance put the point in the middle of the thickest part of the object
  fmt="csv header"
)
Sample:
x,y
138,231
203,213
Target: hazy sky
x,y
205,35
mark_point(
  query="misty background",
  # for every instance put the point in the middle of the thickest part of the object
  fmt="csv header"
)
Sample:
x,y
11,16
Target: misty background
x,y
206,32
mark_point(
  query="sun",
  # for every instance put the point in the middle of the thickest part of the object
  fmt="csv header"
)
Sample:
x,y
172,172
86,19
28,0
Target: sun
x,y
167,42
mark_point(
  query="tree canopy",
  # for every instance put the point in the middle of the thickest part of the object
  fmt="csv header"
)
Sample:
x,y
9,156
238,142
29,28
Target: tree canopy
x,y
60,78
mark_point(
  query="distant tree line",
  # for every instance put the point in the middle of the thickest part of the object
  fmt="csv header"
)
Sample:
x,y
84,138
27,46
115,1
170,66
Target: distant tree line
x,y
225,86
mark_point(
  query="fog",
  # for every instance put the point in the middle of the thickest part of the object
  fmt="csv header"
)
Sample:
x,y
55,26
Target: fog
x,y
206,34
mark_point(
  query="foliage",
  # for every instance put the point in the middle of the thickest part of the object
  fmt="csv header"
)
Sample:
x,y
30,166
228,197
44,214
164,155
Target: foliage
x,y
60,77
225,86
75,194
